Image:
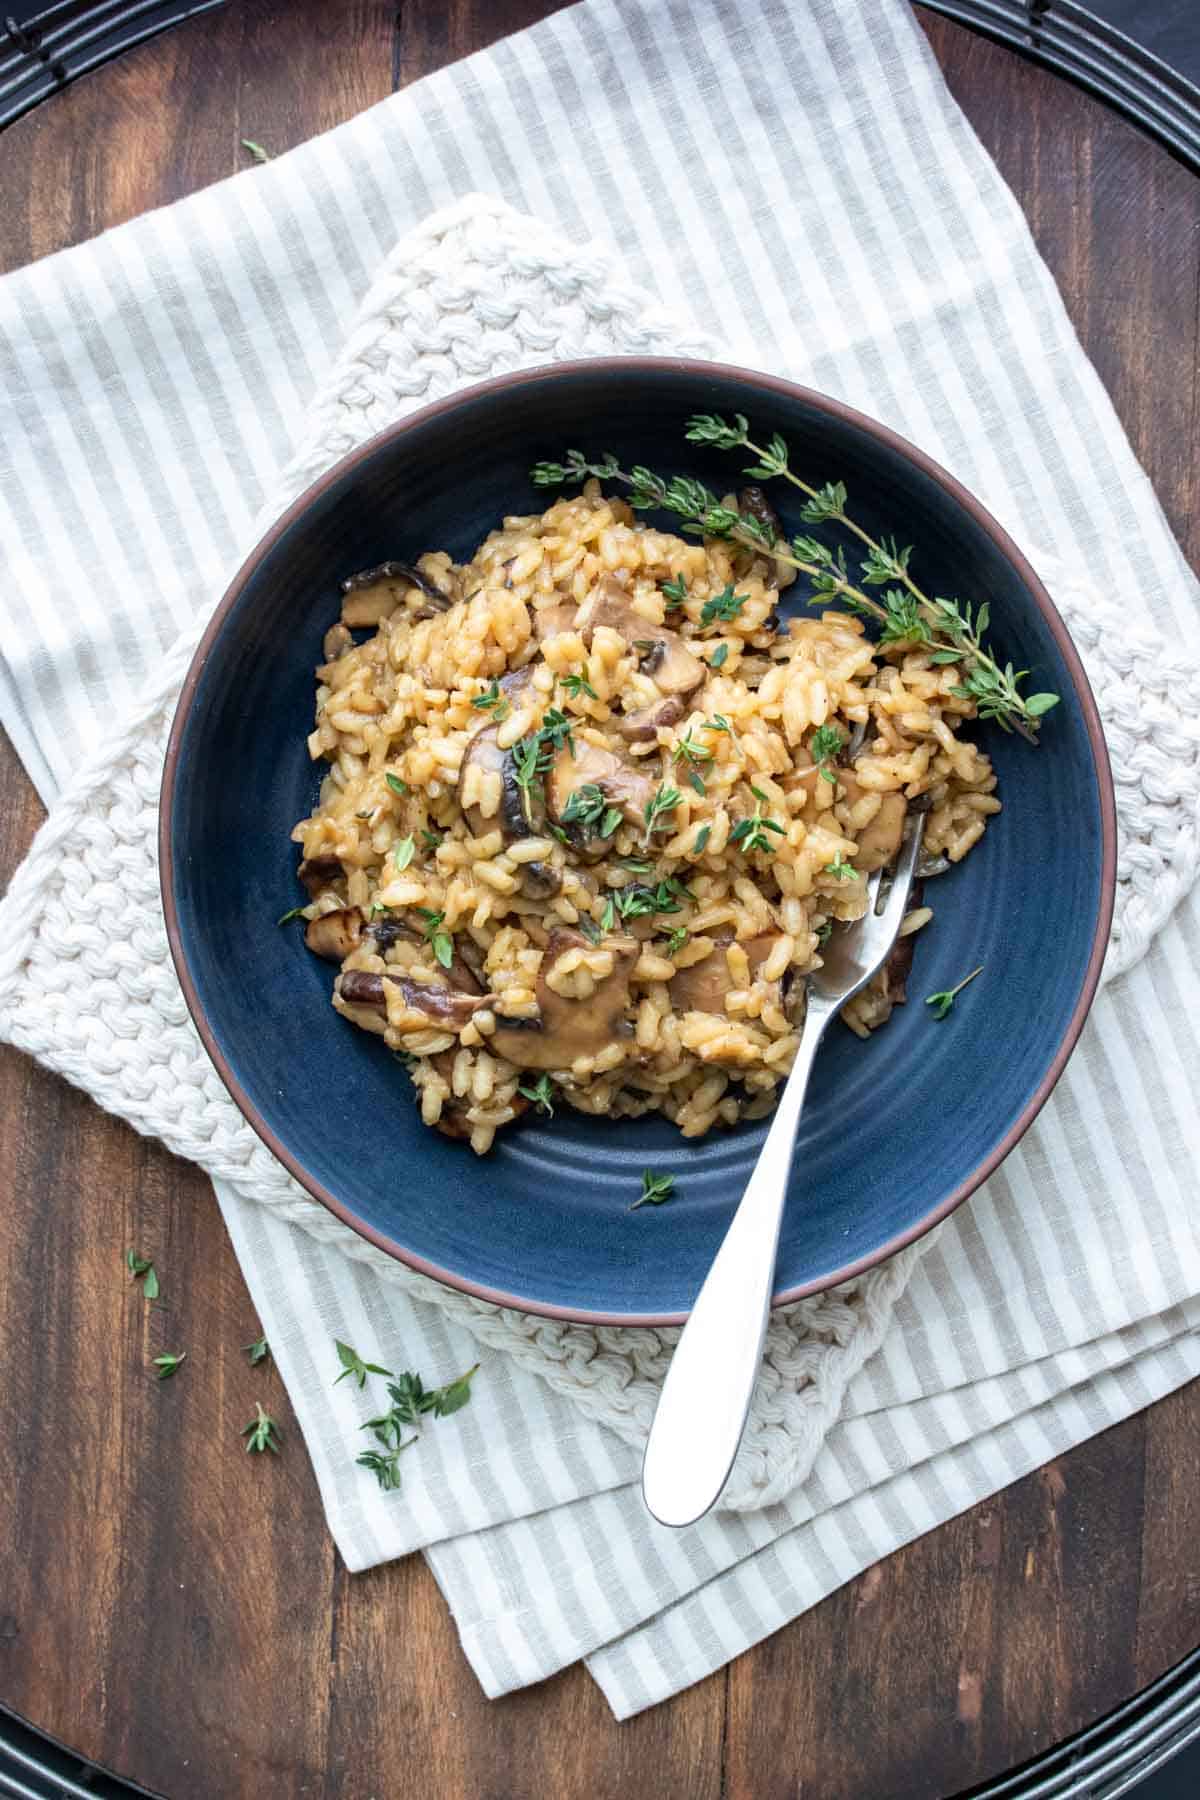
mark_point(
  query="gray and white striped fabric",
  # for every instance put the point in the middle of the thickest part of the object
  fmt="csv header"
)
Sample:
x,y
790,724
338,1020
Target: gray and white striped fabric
x,y
795,178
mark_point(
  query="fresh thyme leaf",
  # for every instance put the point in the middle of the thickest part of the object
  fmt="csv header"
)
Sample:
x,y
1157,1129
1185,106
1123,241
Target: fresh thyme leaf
x,y
688,750
825,743
610,820
256,150
167,1363
578,684
717,659
844,871
531,759
403,851
638,865
493,701
711,428
385,1466
825,931
885,562
411,1398
655,1189
262,1433
353,1364
557,730
394,782
751,833
828,502
725,605
257,1351
139,1266
1037,704
608,917
664,800
696,781
589,928
443,947
585,805
431,839
677,940
702,837
903,623
675,591
540,1093
941,1003
287,917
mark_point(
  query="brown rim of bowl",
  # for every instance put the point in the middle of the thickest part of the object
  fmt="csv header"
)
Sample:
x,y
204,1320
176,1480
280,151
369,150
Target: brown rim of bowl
x,y
633,365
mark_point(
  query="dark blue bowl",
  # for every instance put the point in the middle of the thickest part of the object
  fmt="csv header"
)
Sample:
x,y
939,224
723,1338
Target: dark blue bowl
x,y
896,1131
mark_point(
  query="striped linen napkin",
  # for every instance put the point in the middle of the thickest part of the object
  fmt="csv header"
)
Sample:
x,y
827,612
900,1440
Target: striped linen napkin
x,y
846,230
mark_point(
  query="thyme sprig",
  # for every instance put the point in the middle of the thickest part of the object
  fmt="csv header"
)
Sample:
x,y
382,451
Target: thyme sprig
x,y
751,832
941,1003
950,629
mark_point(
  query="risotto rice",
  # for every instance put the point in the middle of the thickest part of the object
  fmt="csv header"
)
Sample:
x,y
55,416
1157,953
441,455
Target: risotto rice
x,y
592,808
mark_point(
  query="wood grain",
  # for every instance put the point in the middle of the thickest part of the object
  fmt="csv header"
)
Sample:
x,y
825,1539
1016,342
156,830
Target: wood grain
x,y
172,1607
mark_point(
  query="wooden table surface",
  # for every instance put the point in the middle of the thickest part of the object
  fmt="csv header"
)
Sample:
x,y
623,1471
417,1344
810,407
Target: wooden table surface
x,y
173,1608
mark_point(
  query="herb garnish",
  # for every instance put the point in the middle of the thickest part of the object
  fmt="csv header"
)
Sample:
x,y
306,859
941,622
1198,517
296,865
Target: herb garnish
x,y
493,701
675,591
353,1364
725,605
950,629
394,782
677,940
261,1433
440,941
410,1398
257,1351
824,745
717,659
166,1364
844,871
287,917
139,1266
825,931
578,684
702,837
540,1094
664,800
431,839
256,150
688,750
403,851
655,1189
531,759
941,1003
587,806
751,833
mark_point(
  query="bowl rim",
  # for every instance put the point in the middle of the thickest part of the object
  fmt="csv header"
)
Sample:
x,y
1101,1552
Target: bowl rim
x,y
632,366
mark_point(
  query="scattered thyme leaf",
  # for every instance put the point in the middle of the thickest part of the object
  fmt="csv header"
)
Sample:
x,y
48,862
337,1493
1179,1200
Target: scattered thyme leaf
x,y
141,1267
403,851
702,837
353,1364
394,782
257,1352
493,701
843,871
941,1003
262,1433
578,684
664,800
825,931
751,833
167,1363
430,839
287,917
677,940
725,606
675,591
656,1189
717,659
540,1093
256,150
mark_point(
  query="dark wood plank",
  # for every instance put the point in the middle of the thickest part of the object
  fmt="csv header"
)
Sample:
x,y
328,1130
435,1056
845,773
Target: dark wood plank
x,y
172,1607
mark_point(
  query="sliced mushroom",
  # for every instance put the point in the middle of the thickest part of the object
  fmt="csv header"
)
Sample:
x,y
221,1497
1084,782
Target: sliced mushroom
x,y
437,1001
550,621
627,788
540,880
753,502
336,642
931,863
666,659
512,819
643,726
334,935
878,840
317,873
374,593
567,1029
702,986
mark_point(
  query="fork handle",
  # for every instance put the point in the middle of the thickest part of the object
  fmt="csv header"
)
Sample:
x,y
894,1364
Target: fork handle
x,y
706,1395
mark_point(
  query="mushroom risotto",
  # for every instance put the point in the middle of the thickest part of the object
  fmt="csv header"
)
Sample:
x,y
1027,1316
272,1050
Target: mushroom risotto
x,y
592,809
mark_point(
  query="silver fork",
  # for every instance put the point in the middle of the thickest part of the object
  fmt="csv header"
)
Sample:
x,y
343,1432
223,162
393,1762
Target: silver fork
x,y
702,1409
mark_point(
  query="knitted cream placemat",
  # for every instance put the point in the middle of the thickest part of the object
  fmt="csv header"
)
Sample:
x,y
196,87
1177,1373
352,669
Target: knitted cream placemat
x,y
86,981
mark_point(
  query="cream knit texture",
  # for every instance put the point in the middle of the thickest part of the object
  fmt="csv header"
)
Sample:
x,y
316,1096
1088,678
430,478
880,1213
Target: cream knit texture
x,y
86,981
